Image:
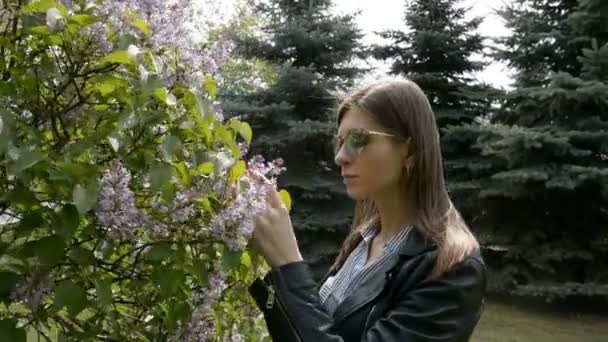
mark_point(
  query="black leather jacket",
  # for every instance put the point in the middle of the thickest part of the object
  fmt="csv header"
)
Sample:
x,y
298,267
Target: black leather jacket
x,y
399,304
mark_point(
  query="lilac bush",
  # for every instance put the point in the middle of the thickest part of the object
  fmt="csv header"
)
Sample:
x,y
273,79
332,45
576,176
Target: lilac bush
x,y
126,199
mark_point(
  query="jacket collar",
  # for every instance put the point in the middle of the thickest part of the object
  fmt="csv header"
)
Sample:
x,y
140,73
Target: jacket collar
x,y
414,244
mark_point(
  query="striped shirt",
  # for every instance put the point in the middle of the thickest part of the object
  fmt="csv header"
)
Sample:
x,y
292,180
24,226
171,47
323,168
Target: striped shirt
x,y
354,272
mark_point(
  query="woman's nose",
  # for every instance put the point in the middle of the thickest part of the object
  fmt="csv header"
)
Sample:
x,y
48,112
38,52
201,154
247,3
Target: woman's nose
x,y
342,157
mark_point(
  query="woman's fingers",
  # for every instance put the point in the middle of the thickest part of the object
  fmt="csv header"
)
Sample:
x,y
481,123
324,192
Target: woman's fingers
x,y
260,177
274,199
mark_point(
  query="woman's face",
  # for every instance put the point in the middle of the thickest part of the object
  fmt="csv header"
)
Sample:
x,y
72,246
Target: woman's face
x,y
372,164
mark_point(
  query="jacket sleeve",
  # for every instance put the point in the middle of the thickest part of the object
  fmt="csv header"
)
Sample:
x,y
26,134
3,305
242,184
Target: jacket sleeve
x,y
444,309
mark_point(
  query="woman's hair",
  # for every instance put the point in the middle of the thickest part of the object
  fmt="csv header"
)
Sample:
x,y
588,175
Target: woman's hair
x,y
404,110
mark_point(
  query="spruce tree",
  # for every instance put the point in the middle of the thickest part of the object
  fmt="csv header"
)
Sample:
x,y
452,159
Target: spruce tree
x,y
437,50
294,117
542,192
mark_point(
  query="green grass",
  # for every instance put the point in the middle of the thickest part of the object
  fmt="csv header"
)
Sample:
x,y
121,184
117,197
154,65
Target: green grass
x,y
503,322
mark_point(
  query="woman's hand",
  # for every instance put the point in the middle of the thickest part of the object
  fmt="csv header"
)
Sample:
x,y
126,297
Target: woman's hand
x,y
273,235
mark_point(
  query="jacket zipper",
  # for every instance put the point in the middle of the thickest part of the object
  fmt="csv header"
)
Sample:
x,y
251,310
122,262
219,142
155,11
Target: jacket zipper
x,y
270,300
270,297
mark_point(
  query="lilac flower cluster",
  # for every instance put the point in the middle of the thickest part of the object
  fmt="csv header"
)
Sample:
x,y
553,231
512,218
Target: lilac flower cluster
x,y
32,290
99,34
173,25
201,326
182,209
116,211
235,223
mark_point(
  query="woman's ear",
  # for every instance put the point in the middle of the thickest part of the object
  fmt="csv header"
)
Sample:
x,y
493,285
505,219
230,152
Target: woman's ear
x,y
409,150
409,158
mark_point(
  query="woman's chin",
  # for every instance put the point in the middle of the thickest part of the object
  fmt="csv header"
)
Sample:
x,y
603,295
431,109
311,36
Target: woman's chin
x,y
355,195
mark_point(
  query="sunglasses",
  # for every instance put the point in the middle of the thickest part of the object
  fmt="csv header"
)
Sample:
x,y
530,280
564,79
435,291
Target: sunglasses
x,y
356,139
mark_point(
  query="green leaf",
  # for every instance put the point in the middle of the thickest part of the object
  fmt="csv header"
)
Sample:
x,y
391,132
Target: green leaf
x,y
237,171
71,295
140,24
183,173
76,171
68,221
210,85
231,259
101,107
286,198
246,260
205,168
85,198
243,129
22,197
82,256
120,57
10,332
107,85
159,175
205,203
105,88
160,252
30,221
167,192
41,6
201,271
178,311
170,146
161,94
28,159
42,30
83,19
7,283
168,280
103,288
49,250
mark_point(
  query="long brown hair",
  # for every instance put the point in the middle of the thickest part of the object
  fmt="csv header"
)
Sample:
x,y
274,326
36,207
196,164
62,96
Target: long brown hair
x,y
404,110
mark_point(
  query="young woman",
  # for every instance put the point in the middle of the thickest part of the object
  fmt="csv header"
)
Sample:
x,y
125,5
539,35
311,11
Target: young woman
x,y
410,270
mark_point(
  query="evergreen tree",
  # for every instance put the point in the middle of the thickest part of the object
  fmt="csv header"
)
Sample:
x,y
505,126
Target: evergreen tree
x,y
543,189
314,53
541,40
437,51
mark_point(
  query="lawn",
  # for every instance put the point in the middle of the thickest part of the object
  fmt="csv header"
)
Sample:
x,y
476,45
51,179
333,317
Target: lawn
x,y
504,322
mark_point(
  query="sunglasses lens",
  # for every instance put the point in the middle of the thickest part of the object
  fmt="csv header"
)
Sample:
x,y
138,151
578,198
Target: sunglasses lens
x,y
353,143
356,141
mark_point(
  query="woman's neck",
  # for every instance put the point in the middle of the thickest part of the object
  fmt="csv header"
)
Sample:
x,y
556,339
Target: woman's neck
x,y
395,210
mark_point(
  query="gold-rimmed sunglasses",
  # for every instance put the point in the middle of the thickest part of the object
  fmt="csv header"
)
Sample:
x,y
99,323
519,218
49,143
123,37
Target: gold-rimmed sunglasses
x,y
356,139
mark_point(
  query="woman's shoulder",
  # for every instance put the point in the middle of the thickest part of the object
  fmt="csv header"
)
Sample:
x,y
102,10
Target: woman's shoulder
x,y
470,270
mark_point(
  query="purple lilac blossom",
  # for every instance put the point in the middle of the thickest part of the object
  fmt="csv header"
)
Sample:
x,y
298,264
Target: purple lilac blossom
x,y
116,211
235,223
32,290
182,209
201,326
173,24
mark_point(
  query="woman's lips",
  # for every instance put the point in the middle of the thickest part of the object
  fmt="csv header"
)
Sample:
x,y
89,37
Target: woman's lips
x,y
348,178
